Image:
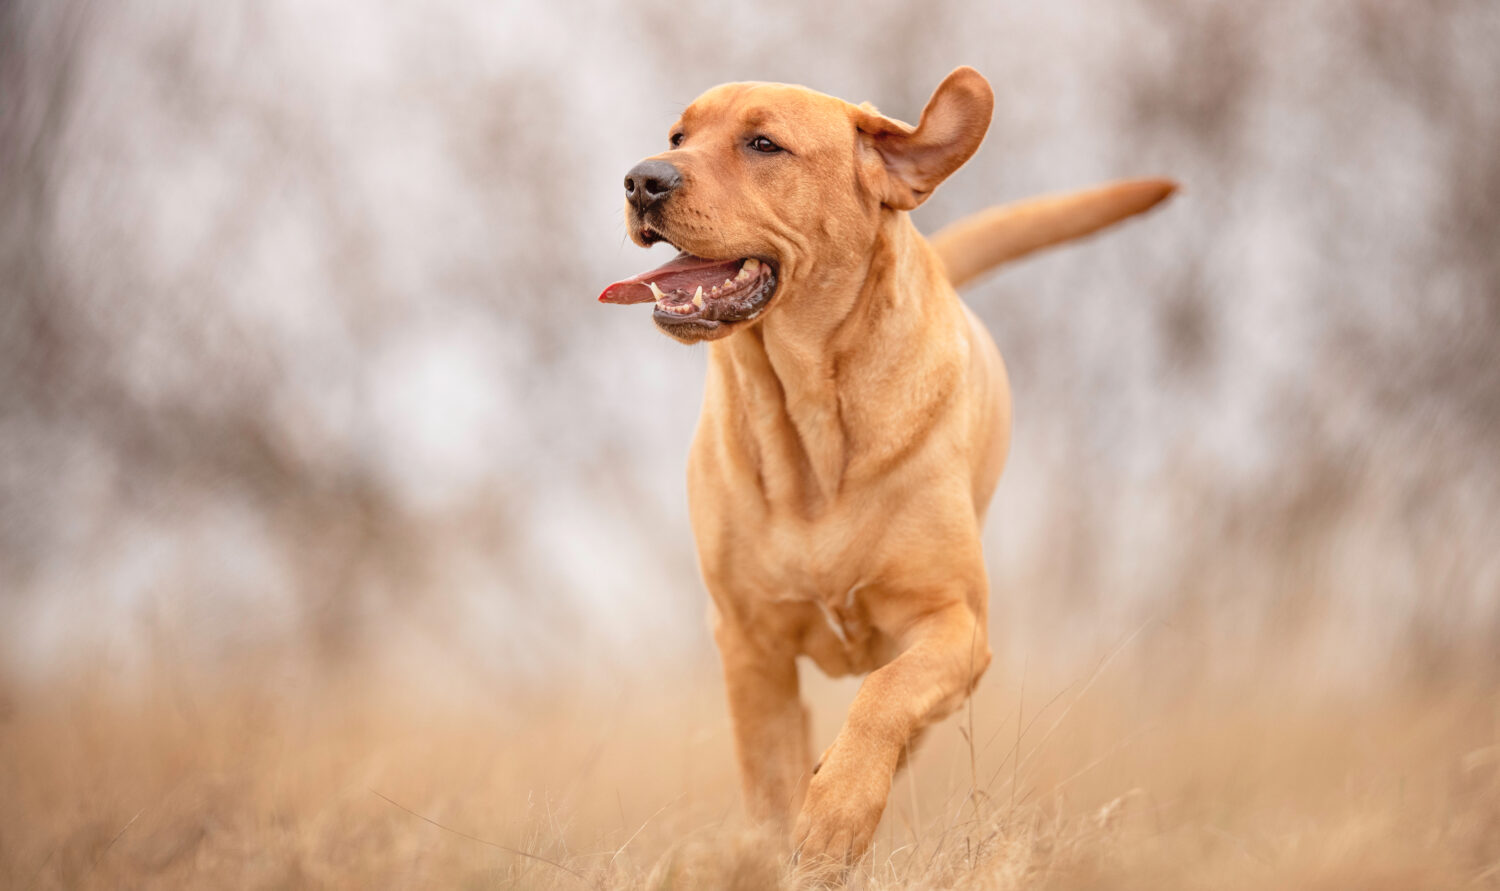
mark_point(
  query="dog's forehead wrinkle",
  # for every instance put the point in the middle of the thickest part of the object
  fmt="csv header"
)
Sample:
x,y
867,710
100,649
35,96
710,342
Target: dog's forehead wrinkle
x,y
758,116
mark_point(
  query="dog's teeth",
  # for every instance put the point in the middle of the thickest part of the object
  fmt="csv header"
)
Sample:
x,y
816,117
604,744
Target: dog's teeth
x,y
698,298
727,283
656,292
752,266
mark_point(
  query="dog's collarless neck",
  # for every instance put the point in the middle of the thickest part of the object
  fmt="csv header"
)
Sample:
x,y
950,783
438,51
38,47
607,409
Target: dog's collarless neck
x,y
799,381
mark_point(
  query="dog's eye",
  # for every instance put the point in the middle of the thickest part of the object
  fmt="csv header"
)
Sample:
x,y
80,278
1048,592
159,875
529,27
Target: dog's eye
x,y
676,139
762,144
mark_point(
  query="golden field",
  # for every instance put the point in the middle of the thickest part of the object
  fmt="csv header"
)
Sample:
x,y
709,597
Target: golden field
x,y
343,536
1137,772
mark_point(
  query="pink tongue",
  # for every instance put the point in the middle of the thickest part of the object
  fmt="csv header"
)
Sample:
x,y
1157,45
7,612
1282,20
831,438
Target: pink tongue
x,y
685,273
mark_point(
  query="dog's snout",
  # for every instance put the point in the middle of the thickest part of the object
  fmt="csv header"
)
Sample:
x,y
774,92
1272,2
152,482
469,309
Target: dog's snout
x,y
650,182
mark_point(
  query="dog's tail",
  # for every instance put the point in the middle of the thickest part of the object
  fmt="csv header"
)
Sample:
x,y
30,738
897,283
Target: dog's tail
x,y
978,243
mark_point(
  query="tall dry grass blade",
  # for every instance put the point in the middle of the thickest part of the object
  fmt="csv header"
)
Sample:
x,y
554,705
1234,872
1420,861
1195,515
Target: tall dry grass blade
x,y
1098,670
637,832
97,860
474,838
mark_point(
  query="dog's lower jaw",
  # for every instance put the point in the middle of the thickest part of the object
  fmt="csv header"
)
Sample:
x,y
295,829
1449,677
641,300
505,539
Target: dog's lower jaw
x,y
691,331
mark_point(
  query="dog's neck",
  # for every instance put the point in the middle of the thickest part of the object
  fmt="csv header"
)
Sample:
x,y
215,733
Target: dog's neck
x,y
801,375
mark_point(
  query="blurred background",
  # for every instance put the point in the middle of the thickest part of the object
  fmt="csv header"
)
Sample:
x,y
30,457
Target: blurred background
x,y
298,345
305,398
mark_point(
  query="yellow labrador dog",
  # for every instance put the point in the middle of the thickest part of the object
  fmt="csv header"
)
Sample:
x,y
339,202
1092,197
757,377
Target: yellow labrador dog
x,y
855,422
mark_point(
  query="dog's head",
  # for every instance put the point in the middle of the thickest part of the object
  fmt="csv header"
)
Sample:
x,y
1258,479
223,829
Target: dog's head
x,y
764,183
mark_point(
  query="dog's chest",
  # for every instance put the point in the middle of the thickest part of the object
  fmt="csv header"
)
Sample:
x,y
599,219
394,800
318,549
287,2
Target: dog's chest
x,y
835,632
829,612
844,641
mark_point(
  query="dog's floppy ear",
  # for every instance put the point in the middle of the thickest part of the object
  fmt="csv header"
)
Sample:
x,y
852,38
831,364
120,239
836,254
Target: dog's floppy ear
x,y
904,163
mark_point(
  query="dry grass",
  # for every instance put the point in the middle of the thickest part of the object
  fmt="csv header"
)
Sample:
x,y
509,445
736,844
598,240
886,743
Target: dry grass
x,y
1123,778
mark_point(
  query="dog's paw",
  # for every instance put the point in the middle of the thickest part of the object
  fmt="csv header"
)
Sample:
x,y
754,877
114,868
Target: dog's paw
x,y
839,815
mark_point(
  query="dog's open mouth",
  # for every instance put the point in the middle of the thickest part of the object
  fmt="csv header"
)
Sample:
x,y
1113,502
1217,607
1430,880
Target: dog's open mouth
x,y
694,294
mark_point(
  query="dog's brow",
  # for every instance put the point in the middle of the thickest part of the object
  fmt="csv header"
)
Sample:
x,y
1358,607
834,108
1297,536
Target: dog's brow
x,y
759,117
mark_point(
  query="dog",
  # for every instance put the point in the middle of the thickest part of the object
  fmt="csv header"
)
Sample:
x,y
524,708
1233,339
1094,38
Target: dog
x,y
855,419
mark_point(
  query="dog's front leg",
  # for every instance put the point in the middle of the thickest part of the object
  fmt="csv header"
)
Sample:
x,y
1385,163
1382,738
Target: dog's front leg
x,y
945,653
770,725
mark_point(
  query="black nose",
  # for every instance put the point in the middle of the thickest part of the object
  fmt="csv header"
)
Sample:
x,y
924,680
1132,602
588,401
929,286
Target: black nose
x,y
649,183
